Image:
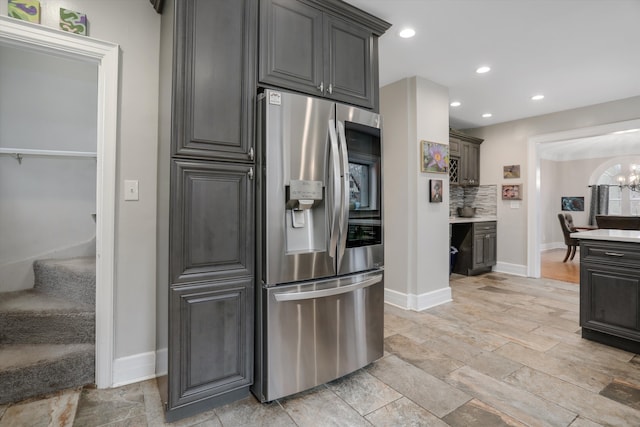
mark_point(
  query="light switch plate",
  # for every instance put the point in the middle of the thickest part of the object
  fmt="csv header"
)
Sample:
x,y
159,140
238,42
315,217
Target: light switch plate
x,y
131,189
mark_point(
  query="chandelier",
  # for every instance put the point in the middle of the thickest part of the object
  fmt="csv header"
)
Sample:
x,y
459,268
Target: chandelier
x,y
632,182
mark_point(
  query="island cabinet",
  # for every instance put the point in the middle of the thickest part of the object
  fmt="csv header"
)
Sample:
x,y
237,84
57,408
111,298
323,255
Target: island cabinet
x,y
464,159
211,205
322,48
610,293
476,243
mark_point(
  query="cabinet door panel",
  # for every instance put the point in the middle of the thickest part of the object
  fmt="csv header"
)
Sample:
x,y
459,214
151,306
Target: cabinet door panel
x,y
349,62
210,339
291,45
490,257
214,78
212,221
613,299
478,250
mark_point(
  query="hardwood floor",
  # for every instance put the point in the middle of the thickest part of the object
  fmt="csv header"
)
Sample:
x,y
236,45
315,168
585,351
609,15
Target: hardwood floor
x,y
552,267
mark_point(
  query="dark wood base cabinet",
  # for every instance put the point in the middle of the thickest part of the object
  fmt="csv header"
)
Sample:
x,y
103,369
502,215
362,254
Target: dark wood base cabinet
x,y
610,293
476,243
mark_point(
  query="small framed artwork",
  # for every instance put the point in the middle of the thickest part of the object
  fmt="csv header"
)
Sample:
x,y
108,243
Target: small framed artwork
x,y
511,171
435,190
434,157
575,204
512,192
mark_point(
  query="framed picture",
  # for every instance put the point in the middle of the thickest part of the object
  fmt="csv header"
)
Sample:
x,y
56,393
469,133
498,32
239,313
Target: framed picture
x,y
512,192
575,204
511,171
435,190
434,157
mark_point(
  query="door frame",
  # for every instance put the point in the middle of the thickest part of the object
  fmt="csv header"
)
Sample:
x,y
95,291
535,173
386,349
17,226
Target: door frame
x,y
48,40
534,218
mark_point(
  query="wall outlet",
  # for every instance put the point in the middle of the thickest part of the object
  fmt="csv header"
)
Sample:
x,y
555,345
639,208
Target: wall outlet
x,y
131,189
515,205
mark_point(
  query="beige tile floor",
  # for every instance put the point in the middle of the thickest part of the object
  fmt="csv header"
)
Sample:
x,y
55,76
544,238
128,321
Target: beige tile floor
x,y
505,352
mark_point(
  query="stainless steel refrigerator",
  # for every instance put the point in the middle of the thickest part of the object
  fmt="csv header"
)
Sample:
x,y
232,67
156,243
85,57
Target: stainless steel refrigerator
x,y
320,291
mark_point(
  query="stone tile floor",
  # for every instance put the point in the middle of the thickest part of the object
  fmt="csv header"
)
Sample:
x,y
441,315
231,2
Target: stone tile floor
x,y
505,352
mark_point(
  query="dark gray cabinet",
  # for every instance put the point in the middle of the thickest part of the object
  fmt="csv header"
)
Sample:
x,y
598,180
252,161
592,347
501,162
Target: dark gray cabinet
x,y
322,48
610,293
211,354
484,244
476,243
211,213
212,221
464,159
214,87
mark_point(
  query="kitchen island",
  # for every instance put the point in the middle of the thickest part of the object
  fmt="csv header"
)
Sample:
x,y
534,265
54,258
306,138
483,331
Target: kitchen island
x,y
610,287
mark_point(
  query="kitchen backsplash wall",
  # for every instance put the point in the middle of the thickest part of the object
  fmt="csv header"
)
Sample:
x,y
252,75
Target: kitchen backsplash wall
x,y
484,198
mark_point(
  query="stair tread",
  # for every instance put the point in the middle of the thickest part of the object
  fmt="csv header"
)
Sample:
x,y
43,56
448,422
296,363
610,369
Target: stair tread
x,y
79,264
36,302
16,356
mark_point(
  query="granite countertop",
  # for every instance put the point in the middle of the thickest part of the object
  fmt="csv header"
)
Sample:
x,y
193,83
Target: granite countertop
x,y
460,220
609,234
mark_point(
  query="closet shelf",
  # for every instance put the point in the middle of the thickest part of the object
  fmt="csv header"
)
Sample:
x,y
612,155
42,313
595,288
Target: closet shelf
x,y
19,153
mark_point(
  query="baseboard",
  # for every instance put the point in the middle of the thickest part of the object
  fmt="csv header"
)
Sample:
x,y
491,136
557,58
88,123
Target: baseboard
x,y
552,245
515,269
417,302
133,369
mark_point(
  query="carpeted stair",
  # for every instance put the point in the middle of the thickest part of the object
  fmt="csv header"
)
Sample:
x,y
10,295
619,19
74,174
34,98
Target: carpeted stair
x,y
47,333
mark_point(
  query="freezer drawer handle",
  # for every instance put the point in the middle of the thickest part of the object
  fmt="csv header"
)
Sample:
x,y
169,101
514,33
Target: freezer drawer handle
x,y
297,296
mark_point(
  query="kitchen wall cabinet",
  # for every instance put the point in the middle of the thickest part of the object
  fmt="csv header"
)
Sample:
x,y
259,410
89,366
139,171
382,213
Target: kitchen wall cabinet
x,y
211,214
476,243
610,293
464,159
322,48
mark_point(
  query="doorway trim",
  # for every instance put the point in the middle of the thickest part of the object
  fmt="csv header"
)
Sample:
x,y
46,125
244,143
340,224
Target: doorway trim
x,y
533,178
48,40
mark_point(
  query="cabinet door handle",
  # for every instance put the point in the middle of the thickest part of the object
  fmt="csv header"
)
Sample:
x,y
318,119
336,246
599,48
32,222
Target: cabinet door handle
x,y
251,155
614,254
330,90
321,87
250,173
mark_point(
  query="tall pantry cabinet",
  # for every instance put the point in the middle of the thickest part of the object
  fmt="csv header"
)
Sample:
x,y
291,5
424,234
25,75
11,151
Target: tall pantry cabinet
x,y
211,205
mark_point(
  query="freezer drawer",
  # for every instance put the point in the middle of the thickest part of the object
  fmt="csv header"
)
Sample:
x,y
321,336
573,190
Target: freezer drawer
x,y
320,331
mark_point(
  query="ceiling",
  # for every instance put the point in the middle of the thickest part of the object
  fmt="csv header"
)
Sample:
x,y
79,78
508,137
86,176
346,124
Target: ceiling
x,y
575,52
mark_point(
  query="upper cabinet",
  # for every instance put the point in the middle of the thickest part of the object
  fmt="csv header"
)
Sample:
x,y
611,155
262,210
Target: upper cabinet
x,y
214,80
322,48
464,159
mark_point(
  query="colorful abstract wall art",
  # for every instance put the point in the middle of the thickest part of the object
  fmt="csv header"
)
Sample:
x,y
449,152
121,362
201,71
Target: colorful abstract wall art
x,y
26,10
73,22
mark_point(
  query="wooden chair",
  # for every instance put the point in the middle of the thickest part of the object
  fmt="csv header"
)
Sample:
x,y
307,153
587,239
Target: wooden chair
x,y
566,224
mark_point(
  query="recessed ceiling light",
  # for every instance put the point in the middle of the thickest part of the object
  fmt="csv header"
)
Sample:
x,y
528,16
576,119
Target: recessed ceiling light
x,y
455,104
407,33
483,69
487,115
537,97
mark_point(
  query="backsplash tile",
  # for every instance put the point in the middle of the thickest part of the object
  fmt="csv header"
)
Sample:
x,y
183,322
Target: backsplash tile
x,y
484,198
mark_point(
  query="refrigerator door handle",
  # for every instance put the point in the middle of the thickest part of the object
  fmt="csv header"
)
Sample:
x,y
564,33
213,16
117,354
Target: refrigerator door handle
x,y
344,208
335,182
297,296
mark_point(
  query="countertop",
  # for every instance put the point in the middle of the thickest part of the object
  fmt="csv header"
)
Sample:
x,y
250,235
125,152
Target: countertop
x,y
460,220
610,235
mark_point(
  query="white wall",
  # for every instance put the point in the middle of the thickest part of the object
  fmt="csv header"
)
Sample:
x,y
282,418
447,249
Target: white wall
x,y
47,103
416,231
507,144
135,26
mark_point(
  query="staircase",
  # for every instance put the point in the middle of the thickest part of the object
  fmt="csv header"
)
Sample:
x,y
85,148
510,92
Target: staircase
x,y
47,334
